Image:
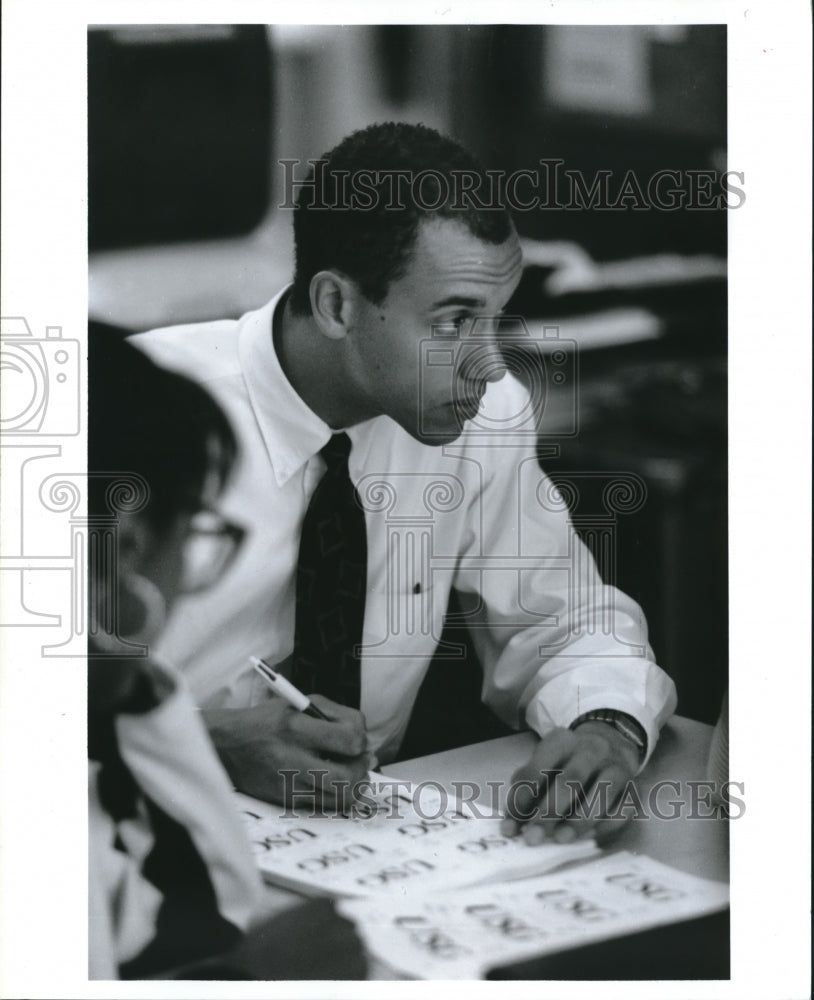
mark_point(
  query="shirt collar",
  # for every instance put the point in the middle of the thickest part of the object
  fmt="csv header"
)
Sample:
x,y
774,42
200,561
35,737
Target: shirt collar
x,y
292,432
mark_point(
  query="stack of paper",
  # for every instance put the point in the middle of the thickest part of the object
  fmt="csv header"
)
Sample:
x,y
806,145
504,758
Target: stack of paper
x,y
400,846
462,934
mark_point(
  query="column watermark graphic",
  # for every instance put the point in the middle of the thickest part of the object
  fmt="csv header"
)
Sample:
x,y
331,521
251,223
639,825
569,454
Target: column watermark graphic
x,y
43,553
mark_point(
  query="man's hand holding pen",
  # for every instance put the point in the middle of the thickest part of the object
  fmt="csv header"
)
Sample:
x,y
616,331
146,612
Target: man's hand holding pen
x,y
269,749
295,745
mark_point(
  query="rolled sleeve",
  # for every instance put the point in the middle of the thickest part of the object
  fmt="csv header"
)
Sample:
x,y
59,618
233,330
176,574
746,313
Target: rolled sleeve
x,y
636,686
555,640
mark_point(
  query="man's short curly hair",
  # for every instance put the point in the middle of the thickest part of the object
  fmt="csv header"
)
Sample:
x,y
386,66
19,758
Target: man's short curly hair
x,y
360,215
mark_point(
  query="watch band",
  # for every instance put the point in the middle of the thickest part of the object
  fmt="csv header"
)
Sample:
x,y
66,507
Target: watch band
x,y
621,722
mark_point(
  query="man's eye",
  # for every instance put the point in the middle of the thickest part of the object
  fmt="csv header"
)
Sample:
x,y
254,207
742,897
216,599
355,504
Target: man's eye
x,y
453,325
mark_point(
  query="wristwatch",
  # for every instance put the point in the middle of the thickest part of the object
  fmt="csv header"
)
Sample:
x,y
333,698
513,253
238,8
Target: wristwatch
x,y
621,722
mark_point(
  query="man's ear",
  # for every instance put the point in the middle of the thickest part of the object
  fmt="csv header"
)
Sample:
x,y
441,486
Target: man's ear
x,y
332,297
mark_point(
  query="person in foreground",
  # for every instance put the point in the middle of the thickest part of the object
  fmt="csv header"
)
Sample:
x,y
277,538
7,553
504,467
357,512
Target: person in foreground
x,y
173,891
387,348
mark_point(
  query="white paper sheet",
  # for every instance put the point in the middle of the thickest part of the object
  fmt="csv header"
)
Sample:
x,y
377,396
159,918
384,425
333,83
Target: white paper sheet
x,y
463,933
404,846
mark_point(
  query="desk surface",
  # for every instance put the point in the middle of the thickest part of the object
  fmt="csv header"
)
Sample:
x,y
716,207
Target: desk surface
x,y
693,844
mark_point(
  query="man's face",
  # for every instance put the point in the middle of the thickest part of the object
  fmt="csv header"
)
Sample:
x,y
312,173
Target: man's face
x,y
419,357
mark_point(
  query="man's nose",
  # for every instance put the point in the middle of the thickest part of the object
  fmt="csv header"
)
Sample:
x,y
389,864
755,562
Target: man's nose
x,y
481,359
496,366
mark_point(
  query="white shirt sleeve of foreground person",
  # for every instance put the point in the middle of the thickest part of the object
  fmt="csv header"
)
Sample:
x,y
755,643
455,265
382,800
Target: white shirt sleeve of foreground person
x,y
172,762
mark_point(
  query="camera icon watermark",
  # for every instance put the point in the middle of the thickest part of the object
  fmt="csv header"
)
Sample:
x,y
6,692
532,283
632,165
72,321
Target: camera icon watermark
x,y
40,378
456,363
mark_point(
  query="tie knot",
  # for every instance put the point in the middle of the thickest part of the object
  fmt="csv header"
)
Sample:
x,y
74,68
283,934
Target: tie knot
x,y
336,451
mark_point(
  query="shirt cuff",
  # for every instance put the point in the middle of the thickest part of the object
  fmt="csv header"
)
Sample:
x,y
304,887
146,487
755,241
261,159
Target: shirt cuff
x,y
542,716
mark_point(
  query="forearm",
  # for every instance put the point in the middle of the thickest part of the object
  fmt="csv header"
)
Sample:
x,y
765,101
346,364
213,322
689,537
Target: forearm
x,y
554,639
588,673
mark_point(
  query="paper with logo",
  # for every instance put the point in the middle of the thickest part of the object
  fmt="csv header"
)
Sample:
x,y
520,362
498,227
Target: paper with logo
x,y
401,840
465,932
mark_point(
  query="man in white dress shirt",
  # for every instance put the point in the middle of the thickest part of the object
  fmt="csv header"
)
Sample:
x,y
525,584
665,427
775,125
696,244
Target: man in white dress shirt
x,y
391,332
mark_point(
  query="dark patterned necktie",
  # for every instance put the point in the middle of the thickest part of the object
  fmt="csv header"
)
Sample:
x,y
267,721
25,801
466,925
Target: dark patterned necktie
x,y
331,584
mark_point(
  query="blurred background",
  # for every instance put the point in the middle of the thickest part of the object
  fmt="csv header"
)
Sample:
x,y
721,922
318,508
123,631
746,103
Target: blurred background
x,y
186,128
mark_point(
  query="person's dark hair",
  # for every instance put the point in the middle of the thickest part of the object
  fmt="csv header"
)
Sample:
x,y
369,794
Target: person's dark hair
x,y
372,244
146,420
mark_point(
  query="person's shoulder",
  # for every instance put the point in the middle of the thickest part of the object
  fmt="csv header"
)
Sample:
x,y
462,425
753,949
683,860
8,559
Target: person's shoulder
x,y
202,350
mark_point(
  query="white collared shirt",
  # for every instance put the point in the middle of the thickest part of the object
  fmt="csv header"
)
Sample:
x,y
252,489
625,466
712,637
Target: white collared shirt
x,y
478,514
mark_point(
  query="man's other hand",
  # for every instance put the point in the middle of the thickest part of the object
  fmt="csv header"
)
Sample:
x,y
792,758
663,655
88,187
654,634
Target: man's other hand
x,y
573,779
257,744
